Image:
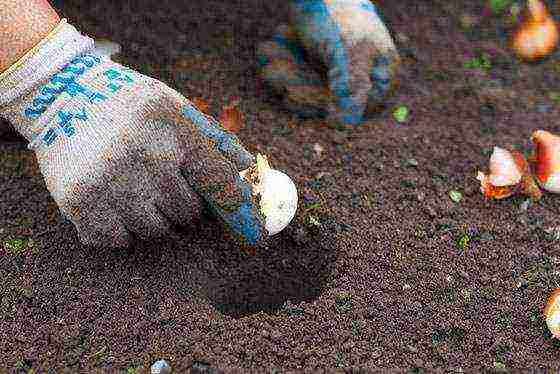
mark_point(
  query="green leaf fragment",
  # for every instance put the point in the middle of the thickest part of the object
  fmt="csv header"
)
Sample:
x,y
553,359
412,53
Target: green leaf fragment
x,y
463,241
499,365
499,6
514,11
401,113
554,96
455,195
15,245
482,62
408,183
313,206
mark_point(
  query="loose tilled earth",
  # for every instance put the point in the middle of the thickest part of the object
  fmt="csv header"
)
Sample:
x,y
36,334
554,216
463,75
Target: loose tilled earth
x,y
380,268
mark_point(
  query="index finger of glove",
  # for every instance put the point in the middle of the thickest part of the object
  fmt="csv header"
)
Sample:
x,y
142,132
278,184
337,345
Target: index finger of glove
x,y
215,178
225,142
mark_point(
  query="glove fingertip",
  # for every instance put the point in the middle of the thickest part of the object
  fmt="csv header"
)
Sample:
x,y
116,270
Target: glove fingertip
x,y
247,223
236,208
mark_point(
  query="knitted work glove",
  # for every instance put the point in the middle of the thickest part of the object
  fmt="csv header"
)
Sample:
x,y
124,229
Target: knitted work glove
x,y
121,152
336,58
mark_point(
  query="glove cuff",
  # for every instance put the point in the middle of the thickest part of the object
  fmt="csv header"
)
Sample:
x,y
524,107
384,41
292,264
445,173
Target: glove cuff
x,y
51,55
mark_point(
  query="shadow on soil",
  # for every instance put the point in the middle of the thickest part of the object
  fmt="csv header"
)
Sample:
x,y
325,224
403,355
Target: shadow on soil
x,y
200,263
294,267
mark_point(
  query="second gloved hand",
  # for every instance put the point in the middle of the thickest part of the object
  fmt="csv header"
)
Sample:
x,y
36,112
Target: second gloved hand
x,y
336,58
121,152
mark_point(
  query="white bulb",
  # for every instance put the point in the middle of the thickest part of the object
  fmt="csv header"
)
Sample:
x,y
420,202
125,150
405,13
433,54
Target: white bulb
x,y
277,194
278,200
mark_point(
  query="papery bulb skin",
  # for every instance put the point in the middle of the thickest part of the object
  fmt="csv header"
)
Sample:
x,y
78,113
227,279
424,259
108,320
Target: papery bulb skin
x,y
537,36
546,163
504,168
552,313
509,173
503,175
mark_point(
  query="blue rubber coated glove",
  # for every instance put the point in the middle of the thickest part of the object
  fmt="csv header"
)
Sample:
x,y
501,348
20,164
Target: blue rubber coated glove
x,y
284,68
212,169
123,153
340,44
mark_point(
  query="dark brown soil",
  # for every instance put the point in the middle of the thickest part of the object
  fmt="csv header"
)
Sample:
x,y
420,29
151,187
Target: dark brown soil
x,y
380,269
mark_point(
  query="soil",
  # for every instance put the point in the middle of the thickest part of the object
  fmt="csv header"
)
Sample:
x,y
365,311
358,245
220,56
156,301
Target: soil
x,y
380,268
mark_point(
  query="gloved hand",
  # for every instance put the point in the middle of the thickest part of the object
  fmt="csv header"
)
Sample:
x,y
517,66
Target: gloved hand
x,y
335,58
121,152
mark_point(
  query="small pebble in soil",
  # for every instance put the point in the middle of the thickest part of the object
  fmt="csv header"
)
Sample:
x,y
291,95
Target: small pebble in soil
x,y
199,367
411,348
543,108
486,236
522,283
309,198
525,205
313,184
468,21
402,38
160,367
429,230
487,109
318,149
300,236
430,211
411,162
